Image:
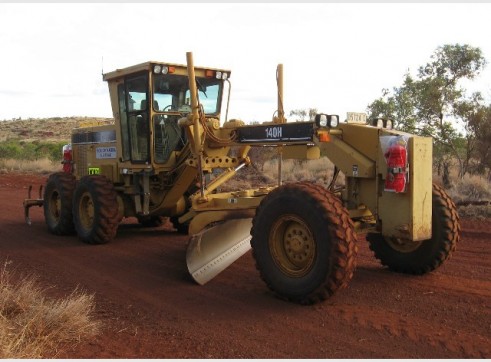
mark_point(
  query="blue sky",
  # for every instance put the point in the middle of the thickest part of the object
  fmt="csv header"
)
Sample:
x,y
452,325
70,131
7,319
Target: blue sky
x,y
337,57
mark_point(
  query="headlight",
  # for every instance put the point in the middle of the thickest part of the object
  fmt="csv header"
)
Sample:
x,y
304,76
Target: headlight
x,y
221,75
156,69
165,69
334,121
326,120
321,120
382,123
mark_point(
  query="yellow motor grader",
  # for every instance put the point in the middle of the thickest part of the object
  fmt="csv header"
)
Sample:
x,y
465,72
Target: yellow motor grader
x,y
168,153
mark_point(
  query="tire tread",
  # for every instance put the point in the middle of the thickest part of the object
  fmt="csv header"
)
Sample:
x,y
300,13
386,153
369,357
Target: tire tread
x,y
341,231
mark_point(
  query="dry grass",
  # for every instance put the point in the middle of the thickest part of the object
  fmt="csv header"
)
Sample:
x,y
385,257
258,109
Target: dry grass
x,y
470,188
39,166
319,171
33,326
475,211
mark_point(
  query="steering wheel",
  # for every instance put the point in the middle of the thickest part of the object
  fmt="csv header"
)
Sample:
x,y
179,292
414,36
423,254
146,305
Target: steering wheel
x,y
166,107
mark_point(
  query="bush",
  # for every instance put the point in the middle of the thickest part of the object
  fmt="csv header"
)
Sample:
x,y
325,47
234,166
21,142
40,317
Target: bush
x,y
475,211
10,149
470,188
33,326
319,171
31,151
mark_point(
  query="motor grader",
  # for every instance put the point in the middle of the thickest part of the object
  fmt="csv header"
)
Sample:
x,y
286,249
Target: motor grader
x,y
168,153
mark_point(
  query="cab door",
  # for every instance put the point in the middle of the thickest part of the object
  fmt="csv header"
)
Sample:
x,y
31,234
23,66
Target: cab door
x,y
135,130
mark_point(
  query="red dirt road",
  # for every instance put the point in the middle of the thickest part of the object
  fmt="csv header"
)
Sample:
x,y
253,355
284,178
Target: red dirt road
x,y
150,307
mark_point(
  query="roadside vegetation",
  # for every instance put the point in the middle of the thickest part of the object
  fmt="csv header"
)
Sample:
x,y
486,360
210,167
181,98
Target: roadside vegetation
x,y
42,166
31,151
37,156
471,193
35,144
433,102
35,326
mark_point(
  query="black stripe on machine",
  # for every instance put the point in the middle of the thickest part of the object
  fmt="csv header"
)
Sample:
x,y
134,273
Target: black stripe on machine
x,y
94,137
286,132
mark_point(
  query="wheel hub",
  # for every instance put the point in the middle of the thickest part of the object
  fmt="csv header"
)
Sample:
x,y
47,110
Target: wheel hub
x,y
297,243
292,246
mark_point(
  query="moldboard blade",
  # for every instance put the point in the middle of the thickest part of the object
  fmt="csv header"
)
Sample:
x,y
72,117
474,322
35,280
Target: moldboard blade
x,y
213,250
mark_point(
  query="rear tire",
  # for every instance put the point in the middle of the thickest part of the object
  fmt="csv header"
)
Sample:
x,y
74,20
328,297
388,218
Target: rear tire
x,y
95,210
57,205
425,256
303,242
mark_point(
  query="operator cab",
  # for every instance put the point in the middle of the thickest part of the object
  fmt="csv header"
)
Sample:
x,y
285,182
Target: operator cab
x,y
151,98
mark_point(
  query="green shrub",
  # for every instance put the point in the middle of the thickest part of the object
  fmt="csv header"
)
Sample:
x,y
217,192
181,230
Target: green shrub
x,y
31,151
10,149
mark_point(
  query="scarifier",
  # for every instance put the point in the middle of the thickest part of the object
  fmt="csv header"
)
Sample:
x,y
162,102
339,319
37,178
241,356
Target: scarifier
x,y
168,153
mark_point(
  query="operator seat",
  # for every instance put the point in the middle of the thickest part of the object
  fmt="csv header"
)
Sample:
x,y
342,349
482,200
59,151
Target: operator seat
x,y
143,105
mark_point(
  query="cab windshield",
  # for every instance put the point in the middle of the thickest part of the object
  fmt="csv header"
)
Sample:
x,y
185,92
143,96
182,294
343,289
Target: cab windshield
x,y
171,94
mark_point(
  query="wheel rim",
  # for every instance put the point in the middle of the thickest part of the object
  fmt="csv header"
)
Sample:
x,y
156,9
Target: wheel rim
x,y
86,211
292,246
402,245
54,203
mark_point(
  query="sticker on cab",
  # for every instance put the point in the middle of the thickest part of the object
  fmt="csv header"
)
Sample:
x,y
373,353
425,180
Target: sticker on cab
x,y
105,152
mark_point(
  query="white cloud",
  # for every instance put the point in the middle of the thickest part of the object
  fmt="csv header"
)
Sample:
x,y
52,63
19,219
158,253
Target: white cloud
x,y
337,57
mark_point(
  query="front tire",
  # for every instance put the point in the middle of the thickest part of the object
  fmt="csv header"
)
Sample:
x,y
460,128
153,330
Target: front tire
x,y
425,256
303,242
57,204
95,210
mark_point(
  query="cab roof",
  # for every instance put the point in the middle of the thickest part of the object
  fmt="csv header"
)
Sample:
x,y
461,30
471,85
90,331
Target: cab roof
x,y
179,69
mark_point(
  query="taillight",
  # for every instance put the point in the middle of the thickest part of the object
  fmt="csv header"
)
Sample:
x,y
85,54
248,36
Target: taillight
x,y
67,158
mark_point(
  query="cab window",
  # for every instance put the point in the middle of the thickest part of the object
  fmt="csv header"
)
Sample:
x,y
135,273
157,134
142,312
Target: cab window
x,y
171,93
138,123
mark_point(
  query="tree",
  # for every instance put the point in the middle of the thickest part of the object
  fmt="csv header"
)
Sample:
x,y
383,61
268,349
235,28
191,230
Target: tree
x,y
301,114
434,104
480,126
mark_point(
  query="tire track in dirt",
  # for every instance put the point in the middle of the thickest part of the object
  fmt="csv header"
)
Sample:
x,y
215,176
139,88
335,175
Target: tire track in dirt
x,y
466,344
457,286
